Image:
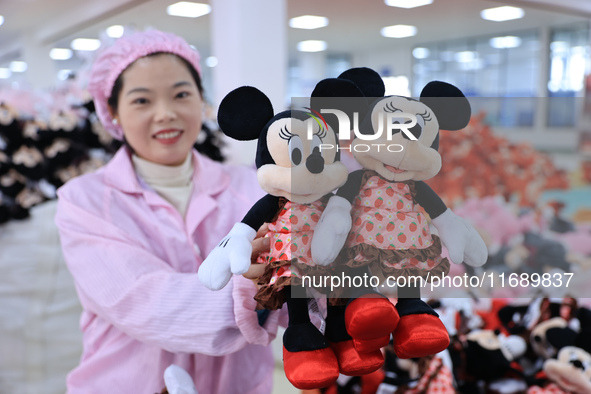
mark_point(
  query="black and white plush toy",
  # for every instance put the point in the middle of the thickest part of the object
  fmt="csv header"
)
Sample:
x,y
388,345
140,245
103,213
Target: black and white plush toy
x,y
396,145
299,178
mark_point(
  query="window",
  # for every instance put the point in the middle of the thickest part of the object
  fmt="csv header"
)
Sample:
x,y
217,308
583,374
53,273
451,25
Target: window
x,y
500,72
569,63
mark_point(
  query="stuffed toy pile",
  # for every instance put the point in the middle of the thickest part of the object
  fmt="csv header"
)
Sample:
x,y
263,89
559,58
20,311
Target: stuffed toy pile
x,y
38,156
479,163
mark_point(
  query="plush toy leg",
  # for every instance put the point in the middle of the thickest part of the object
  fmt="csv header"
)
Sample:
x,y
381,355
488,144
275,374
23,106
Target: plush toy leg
x,y
308,360
370,315
370,345
420,332
351,362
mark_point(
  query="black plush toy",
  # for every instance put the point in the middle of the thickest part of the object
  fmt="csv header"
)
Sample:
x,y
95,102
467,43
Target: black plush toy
x,y
397,146
299,177
10,129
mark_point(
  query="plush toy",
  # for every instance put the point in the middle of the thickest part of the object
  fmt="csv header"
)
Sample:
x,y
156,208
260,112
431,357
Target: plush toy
x,y
427,375
549,336
10,129
390,232
178,381
569,373
298,177
490,357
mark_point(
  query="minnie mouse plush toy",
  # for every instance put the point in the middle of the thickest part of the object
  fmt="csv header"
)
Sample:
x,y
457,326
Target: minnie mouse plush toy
x,y
390,234
299,178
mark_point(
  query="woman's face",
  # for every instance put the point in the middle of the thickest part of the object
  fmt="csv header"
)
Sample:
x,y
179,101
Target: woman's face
x,y
160,109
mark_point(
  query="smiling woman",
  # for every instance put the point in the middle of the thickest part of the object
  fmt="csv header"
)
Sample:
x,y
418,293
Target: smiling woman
x,y
135,232
158,105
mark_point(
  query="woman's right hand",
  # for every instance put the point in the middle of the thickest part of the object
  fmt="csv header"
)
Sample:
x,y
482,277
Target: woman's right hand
x,y
260,245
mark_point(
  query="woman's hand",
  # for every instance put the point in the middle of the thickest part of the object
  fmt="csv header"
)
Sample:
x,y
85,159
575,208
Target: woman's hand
x,y
259,245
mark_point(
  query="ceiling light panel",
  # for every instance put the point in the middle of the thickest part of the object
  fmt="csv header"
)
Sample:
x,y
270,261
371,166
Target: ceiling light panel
x,y
420,53
85,44
505,42
60,53
188,9
407,3
501,14
5,73
115,31
18,67
308,22
312,46
398,31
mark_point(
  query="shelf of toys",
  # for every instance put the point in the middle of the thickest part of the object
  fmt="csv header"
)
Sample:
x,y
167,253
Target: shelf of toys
x,y
46,138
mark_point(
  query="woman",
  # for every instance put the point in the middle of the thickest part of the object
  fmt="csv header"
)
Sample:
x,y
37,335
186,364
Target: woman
x,y
135,232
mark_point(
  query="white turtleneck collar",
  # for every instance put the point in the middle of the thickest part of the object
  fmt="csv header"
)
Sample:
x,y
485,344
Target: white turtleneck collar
x,y
173,183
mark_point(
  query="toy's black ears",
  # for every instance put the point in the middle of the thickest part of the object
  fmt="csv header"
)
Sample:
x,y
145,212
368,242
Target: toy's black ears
x,y
336,87
341,94
369,81
244,112
449,104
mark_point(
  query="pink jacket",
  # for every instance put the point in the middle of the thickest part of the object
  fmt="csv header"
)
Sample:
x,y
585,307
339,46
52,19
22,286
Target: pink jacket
x,y
134,259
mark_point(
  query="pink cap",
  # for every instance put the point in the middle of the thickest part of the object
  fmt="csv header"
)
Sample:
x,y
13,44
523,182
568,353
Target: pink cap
x,y
115,59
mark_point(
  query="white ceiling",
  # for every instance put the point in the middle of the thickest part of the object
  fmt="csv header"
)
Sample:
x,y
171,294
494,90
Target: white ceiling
x,y
354,24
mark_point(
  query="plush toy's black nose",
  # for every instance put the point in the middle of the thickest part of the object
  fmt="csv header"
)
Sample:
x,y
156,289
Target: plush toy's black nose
x,y
315,162
577,364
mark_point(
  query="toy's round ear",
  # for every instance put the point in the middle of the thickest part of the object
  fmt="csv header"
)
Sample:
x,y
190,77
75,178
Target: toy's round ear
x,y
369,81
244,112
340,94
449,104
336,87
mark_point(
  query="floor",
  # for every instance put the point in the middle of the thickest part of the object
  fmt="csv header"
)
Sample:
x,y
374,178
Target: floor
x,y
280,383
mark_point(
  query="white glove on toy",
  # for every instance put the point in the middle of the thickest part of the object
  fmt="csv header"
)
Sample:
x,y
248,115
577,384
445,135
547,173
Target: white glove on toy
x,y
231,256
331,231
178,381
462,241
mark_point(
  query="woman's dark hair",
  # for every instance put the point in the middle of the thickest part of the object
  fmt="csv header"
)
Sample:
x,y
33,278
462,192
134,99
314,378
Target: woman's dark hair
x,y
210,146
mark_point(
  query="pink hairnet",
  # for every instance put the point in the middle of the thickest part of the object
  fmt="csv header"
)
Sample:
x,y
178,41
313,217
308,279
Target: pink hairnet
x,y
115,59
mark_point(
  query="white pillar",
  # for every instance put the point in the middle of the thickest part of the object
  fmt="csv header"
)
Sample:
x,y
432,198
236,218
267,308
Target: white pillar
x,y
249,40
312,67
41,72
250,44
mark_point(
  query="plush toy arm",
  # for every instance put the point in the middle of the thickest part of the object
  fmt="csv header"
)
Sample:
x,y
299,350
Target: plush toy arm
x,y
429,200
233,254
462,241
178,381
264,211
333,227
331,231
351,188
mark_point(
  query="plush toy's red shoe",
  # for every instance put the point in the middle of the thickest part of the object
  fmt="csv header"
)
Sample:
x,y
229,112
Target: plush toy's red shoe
x,y
311,369
308,360
420,335
371,345
353,363
371,316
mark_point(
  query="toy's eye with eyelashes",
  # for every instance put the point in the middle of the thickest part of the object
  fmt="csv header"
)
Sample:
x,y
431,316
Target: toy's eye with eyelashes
x,y
416,130
296,149
389,107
